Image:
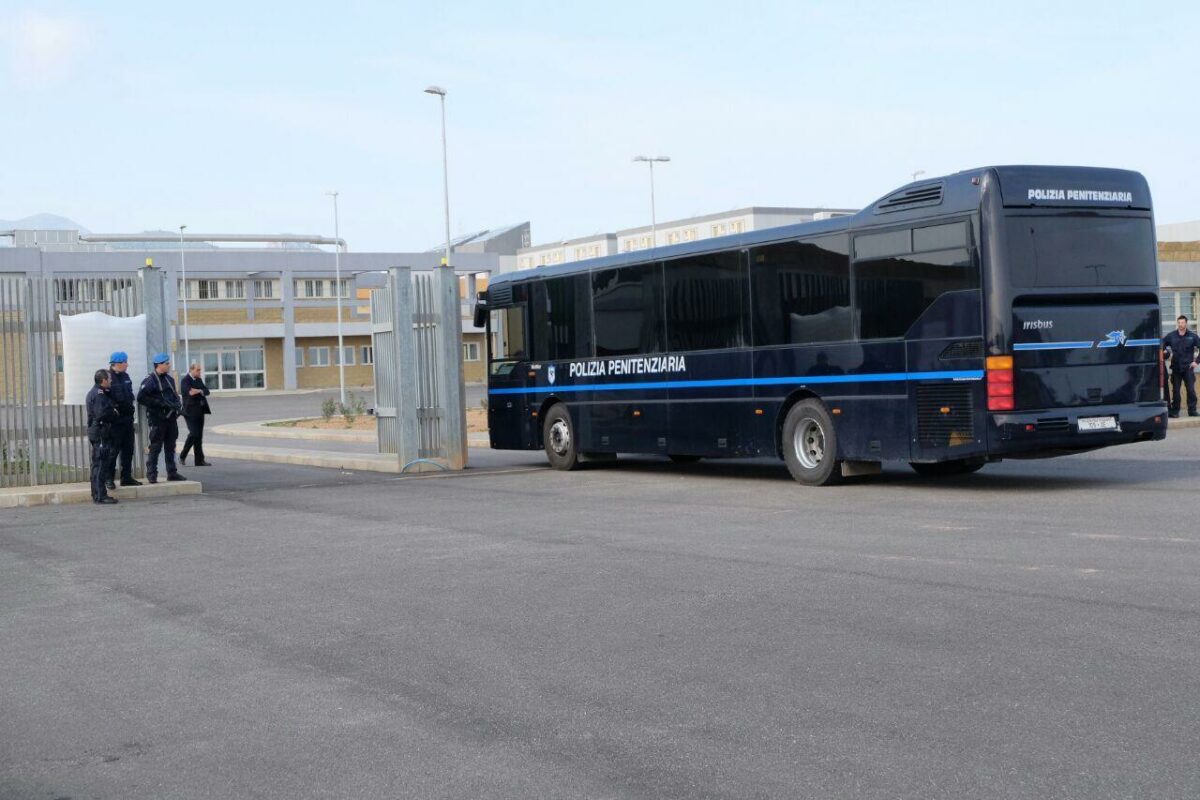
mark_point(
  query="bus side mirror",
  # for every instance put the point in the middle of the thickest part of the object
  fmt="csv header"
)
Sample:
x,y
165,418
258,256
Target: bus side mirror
x,y
481,311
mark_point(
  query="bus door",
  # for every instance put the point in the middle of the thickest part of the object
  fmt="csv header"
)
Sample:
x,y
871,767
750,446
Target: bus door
x,y
511,425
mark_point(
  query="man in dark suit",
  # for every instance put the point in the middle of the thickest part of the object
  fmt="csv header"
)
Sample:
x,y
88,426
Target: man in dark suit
x,y
195,407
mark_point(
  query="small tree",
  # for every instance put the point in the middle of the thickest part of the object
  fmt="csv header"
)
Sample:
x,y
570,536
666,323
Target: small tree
x,y
328,406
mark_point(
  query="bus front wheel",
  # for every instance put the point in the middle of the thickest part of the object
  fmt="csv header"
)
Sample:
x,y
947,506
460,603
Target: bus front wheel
x,y
558,434
943,469
810,444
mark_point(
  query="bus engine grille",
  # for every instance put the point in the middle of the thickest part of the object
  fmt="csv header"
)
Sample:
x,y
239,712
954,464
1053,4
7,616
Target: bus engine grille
x,y
944,415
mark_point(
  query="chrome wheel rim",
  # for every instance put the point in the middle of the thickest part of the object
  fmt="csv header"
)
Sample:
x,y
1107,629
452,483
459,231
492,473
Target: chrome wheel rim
x,y
808,442
560,437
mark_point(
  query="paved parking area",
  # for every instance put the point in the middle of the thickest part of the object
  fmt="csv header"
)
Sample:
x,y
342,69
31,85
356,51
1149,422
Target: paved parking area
x,y
642,630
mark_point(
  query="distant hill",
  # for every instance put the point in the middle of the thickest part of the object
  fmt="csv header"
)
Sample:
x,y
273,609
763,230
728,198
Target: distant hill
x,y
43,222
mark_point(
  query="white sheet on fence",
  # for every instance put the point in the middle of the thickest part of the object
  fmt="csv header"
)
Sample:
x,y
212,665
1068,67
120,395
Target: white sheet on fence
x,y
88,340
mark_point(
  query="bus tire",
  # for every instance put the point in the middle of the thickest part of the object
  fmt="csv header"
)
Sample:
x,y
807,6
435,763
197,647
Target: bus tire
x,y
680,458
942,469
810,444
558,434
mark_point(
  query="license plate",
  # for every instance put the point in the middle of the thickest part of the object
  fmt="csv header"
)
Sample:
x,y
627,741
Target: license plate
x,y
1097,424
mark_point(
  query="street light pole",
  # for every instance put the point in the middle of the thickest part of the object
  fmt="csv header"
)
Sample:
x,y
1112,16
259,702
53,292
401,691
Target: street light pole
x,y
650,161
187,352
441,93
917,174
337,293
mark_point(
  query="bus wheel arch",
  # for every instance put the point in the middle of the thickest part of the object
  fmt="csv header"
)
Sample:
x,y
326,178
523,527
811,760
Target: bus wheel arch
x,y
543,409
791,400
559,438
810,443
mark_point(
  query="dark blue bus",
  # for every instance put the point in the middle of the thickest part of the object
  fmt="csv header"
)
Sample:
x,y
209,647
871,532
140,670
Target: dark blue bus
x,y
1004,312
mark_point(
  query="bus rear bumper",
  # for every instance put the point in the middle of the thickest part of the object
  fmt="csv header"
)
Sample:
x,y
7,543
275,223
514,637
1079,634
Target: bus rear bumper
x,y
1057,431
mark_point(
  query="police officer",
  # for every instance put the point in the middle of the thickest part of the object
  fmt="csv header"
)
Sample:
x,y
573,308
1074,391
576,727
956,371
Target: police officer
x,y
161,400
101,414
1181,345
122,396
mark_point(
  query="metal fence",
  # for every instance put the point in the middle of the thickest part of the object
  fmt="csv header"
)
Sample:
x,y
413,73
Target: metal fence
x,y
418,367
42,440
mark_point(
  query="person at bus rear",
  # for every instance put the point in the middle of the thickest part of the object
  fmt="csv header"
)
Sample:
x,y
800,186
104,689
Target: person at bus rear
x,y
101,414
195,406
1181,345
122,396
157,394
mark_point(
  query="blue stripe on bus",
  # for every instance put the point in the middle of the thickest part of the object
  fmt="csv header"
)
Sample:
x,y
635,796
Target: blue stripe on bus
x,y
1053,346
964,374
1142,342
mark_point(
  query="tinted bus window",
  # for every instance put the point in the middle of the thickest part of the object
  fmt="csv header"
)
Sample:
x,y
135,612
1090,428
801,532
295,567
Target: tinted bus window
x,y
561,310
801,292
508,331
892,292
1080,251
878,245
627,304
706,299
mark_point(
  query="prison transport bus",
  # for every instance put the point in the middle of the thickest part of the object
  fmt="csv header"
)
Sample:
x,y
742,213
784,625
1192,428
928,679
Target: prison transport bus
x,y
1005,312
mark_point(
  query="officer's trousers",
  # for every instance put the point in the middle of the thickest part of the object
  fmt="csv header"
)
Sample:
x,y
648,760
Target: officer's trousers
x,y
1188,378
163,436
122,443
103,457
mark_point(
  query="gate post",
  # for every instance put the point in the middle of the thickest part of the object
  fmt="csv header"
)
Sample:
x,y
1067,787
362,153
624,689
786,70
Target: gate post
x,y
404,369
158,320
31,381
450,376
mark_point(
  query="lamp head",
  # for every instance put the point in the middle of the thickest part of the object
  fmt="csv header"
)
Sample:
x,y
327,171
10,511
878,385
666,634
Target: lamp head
x,y
438,90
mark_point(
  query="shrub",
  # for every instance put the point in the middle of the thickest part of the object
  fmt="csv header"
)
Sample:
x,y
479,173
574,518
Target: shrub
x,y
328,406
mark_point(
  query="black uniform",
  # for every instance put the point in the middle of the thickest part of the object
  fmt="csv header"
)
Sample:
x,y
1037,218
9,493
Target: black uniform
x,y
122,396
101,414
194,409
1182,348
157,394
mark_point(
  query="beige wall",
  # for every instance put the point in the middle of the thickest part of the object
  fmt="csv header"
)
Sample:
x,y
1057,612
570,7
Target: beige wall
x,y
326,313
273,357
215,316
359,375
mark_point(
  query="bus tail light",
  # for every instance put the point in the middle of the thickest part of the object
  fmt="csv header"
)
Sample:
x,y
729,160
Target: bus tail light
x,y
1000,387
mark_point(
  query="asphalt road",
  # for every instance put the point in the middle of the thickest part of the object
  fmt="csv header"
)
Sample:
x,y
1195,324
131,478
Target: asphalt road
x,y
641,630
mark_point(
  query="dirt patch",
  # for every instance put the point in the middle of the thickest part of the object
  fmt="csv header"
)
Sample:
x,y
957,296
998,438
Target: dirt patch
x,y
476,423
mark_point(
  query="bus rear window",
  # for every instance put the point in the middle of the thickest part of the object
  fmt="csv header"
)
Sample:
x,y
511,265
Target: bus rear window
x,y
1072,251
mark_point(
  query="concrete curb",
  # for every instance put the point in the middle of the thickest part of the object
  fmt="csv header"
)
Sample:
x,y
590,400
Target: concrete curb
x,y
355,462
1183,422
62,494
262,430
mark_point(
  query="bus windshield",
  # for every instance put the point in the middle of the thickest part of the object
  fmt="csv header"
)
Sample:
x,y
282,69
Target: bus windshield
x,y
1080,251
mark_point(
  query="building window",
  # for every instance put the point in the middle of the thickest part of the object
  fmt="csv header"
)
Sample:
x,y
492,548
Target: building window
x,y
366,354
689,235
299,356
235,290
311,288
673,237
738,226
318,356
233,367
348,351
470,351
207,290
345,288
264,290
720,230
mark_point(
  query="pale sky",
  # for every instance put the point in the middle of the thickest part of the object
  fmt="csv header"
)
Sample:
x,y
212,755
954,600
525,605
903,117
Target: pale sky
x,y
237,117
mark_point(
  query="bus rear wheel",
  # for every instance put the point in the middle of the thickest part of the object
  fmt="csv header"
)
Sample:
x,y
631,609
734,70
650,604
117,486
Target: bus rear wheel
x,y
810,444
558,434
941,469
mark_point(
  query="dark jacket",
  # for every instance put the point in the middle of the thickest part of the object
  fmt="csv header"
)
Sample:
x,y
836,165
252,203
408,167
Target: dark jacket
x,y
121,393
194,405
101,414
1182,349
158,395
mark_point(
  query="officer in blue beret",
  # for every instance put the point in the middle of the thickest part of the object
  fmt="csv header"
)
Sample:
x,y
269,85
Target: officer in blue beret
x,y
121,393
160,398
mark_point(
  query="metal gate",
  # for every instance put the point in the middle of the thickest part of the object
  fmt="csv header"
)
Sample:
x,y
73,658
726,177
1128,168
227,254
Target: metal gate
x,y
418,367
43,441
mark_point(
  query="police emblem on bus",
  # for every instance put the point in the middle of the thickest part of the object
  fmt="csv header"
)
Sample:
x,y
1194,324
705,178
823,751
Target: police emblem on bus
x,y
1113,339
550,373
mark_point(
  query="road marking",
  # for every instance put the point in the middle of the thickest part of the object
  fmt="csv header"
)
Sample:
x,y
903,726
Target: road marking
x,y
1121,537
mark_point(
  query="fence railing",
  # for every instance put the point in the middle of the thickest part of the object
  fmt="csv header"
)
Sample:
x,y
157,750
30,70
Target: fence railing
x,y
43,440
415,328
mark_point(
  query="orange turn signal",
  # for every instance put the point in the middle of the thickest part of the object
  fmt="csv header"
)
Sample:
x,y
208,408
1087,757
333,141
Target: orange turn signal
x,y
999,362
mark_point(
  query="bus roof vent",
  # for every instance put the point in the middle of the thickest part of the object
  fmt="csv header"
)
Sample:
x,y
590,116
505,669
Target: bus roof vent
x,y
500,295
925,194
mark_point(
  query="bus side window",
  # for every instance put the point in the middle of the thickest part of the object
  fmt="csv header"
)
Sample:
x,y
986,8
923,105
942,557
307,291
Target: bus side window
x,y
508,333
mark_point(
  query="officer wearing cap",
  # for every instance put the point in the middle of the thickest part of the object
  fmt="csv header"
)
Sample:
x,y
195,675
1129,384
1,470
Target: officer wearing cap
x,y
101,414
161,400
121,393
